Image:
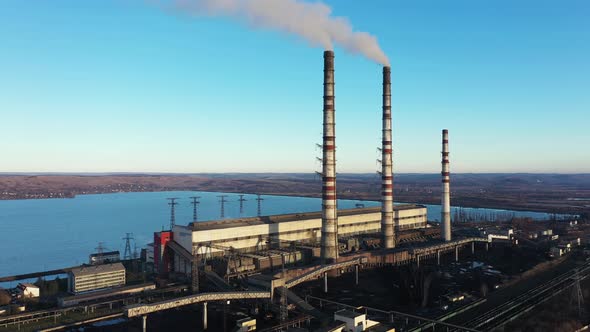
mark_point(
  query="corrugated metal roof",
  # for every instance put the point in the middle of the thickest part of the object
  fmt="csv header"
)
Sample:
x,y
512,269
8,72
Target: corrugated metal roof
x,y
102,254
273,219
94,269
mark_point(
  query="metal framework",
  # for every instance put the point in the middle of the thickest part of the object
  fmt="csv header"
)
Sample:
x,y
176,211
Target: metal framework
x,y
172,204
222,202
259,206
144,309
313,274
242,200
128,237
444,246
195,203
195,287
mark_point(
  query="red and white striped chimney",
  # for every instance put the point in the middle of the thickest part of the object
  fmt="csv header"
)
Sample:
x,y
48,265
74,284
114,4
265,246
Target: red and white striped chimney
x,y
446,192
387,223
329,245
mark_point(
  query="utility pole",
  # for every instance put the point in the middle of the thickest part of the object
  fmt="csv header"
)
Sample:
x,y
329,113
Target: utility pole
x,y
128,237
172,202
259,200
195,271
222,201
284,309
195,202
241,200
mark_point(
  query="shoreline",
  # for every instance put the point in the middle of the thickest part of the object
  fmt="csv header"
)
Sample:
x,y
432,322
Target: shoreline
x,y
342,196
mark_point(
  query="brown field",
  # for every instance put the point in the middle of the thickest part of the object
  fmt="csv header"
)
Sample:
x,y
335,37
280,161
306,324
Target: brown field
x,y
554,193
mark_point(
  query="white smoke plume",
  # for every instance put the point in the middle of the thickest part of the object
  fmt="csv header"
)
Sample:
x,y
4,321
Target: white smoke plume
x,y
311,21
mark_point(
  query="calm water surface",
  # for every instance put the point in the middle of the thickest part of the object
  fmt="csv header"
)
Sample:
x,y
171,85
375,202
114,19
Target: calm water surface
x,y
46,234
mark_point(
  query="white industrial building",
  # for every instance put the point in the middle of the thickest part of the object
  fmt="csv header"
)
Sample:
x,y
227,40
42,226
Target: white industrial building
x,y
498,234
27,290
355,321
254,234
96,277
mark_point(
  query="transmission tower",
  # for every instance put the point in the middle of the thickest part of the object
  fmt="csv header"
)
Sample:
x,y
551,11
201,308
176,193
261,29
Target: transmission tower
x,y
222,201
100,249
577,293
259,200
128,237
195,203
172,202
241,200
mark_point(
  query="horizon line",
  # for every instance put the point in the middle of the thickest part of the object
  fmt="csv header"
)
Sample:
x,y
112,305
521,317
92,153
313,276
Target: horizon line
x,y
277,173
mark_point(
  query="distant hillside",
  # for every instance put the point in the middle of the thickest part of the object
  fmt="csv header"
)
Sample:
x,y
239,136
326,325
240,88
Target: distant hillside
x,y
541,192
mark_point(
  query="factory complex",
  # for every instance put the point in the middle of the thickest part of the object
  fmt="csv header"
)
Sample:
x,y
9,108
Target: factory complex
x,y
272,269
253,234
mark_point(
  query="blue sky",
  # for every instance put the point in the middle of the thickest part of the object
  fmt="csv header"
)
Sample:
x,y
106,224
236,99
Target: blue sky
x,y
121,85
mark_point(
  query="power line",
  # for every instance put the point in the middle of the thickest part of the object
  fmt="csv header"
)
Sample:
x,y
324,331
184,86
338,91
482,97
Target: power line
x,y
577,293
222,201
128,237
259,201
195,203
172,204
242,200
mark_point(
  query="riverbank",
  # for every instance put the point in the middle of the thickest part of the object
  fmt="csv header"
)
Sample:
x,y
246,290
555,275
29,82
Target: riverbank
x,y
550,193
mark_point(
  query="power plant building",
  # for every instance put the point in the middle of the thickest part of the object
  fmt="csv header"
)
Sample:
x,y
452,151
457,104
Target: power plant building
x,y
326,230
254,234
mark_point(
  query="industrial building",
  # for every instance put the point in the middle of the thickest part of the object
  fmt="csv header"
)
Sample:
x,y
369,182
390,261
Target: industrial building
x,y
28,290
104,257
96,277
257,233
74,300
252,234
233,247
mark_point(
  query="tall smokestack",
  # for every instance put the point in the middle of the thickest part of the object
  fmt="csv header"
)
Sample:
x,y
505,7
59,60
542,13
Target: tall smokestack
x,y
387,225
329,252
446,193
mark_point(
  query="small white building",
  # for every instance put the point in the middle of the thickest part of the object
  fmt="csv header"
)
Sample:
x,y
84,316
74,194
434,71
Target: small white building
x,y
27,290
246,324
455,297
355,321
499,234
